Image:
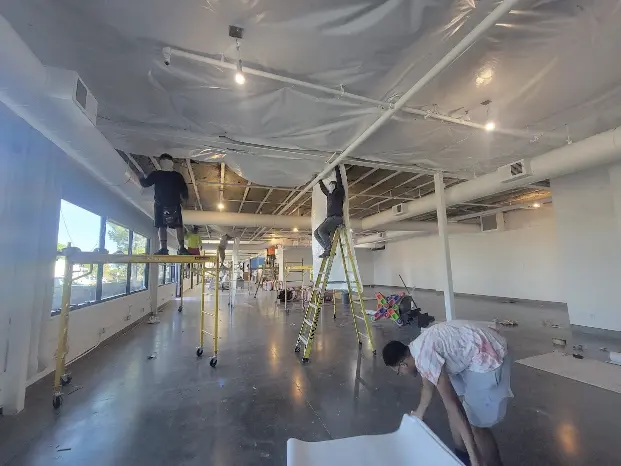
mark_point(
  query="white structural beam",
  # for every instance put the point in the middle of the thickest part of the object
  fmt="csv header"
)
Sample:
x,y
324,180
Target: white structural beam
x,y
460,48
375,185
155,163
449,296
358,180
241,204
191,172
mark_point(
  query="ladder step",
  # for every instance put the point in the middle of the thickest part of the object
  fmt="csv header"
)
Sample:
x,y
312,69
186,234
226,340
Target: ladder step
x,y
358,317
308,322
304,340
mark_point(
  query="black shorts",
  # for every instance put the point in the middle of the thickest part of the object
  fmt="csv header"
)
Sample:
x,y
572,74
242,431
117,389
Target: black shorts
x,y
168,216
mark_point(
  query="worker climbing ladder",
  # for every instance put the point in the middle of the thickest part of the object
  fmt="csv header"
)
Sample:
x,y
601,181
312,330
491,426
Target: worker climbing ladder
x,y
340,241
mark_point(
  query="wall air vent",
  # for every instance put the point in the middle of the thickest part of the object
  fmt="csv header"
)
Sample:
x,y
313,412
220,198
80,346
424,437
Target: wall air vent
x,y
399,209
494,222
515,171
67,85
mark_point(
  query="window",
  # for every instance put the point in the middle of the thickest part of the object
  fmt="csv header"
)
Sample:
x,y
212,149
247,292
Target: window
x,y
161,274
171,273
79,228
138,275
114,280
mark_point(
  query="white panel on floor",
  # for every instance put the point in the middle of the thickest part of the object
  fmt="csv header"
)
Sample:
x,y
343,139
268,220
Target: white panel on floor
x,y
589,371
413,444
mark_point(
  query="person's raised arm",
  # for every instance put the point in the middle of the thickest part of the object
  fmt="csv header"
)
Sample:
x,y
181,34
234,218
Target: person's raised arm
x,y
184,188
456,413
323,188
425,398
339,179
145,182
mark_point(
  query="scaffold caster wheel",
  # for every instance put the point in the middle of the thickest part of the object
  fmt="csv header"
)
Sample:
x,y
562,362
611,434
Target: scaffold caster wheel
x,y
374,352
65,379
359,343
213,362
199,352
297,349
57,401
180,309
305,360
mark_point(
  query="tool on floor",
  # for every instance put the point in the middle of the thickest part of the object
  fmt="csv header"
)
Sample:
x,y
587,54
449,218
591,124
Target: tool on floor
x,y
414,311
312,311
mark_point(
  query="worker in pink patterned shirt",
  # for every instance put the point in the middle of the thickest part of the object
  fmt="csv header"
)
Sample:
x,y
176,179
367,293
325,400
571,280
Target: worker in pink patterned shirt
x,y
469,364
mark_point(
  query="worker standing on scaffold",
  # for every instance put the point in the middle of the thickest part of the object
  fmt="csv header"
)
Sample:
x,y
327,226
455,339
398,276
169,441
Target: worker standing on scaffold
x,y
335,194
170,191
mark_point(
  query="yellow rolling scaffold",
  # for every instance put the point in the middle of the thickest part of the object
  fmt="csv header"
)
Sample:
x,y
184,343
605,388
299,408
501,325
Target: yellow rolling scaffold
x,y
312,311
73,256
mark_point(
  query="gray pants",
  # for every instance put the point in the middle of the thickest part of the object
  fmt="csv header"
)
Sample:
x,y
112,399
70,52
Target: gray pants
x,y
324,232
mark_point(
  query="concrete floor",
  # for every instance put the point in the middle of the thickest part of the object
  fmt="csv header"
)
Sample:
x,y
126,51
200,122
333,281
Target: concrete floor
x,y
177,410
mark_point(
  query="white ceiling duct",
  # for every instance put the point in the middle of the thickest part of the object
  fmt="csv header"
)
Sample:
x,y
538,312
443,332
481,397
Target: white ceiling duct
x,y
391,236
233,219
597,150
24,89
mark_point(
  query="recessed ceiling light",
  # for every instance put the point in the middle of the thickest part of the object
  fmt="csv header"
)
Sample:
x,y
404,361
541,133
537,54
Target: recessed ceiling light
x,y
295,229
536,205
490,126
221,206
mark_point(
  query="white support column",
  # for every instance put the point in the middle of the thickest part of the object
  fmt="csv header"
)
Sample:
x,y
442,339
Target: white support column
x,y
449,297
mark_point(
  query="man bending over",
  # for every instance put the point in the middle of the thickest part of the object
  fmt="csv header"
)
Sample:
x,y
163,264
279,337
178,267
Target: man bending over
x,y
335,194
462,360
170,191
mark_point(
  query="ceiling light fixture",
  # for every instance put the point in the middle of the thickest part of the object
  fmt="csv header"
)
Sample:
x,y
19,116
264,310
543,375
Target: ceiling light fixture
x,y
490,126
536,205
220,206
295,229
239,76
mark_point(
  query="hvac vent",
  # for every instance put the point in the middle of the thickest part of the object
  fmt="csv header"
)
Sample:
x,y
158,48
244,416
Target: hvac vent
x,y
495,222
378,248
515,171
399,209
382,234
67,85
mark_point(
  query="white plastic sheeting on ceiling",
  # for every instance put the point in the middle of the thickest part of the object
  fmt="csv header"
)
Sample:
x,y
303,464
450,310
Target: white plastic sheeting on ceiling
x,y
548,69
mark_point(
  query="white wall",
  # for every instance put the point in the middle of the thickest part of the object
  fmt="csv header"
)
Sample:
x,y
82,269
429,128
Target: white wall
x,y
589,236
520,262
34,176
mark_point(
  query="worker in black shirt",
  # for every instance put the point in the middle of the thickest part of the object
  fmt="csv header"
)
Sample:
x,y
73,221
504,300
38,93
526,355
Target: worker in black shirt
x,y
170,191
335,192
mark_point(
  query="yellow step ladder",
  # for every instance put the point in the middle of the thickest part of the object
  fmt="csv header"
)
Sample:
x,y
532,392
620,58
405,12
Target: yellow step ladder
x,y
340,241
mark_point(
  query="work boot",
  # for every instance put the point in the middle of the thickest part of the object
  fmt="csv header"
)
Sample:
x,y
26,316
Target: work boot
x,y
183,252
325,254
162,252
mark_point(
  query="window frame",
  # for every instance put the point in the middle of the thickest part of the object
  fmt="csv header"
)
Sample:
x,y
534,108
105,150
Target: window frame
x,y
103,220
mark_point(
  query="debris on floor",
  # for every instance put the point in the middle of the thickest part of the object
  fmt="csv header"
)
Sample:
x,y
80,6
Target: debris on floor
x,y
63,449
604,349
578,348
506,322
152,356
578,356
549,323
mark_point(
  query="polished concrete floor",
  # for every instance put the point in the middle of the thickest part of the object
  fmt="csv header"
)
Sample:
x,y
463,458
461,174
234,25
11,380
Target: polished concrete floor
x,y
126,409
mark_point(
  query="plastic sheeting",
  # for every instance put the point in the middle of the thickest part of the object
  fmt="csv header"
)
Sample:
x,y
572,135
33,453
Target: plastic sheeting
x,y
337,279
548,69
413,444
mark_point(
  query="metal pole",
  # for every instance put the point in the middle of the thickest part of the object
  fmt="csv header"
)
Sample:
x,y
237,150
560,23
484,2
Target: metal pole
x,y
202,325
449,298
216,313
63,327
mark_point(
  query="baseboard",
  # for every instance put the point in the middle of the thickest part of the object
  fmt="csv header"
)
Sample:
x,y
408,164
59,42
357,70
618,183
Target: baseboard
x,y
598,332
501,299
